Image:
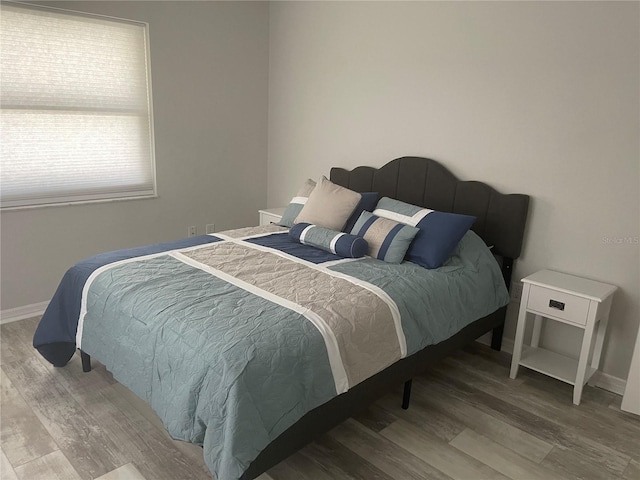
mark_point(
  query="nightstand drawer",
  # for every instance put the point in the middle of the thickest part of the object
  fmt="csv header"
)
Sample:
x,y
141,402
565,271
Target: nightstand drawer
x,y
558,304
271,215
266,219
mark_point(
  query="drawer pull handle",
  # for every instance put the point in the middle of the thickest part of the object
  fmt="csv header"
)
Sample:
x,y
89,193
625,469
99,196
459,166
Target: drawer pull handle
x,y
556,304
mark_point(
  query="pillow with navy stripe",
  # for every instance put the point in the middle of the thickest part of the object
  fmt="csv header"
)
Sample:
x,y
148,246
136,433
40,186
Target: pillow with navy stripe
x,y
388,240
297,203
338,243
439,232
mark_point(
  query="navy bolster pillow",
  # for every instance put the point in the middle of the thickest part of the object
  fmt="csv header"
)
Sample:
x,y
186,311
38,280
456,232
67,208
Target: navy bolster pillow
x,y
338,243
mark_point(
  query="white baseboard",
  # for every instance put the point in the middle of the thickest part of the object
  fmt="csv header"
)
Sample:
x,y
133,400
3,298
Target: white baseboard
x,y
21,313
609,382
600,379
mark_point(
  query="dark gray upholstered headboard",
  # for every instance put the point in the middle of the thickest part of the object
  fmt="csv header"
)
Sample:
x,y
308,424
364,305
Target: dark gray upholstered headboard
x,y
421,181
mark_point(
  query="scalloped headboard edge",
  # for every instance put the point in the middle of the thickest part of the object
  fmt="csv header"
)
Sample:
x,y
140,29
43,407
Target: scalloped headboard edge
x,y
501,218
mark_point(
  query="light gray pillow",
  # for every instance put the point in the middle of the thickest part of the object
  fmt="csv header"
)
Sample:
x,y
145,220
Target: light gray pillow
x,y
296,204
329,205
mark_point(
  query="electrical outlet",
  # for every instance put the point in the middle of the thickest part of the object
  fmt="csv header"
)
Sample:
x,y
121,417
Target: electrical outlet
x,y
210,228
192,231
516,291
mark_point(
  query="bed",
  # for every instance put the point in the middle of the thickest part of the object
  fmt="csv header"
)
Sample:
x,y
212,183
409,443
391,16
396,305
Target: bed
x,y
270,383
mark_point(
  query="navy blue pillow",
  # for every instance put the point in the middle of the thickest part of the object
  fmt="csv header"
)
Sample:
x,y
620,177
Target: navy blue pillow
x,y
338,243
439,232
367,203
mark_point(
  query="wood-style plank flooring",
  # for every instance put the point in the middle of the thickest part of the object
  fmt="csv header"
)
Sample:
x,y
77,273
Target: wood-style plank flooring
x,y
467,421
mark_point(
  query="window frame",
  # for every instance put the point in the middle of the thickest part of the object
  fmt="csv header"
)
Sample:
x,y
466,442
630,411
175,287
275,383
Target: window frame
x,y
98,197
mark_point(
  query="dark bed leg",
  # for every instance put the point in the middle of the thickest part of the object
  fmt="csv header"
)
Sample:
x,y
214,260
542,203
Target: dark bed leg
x,y
406,395
86,361
496,337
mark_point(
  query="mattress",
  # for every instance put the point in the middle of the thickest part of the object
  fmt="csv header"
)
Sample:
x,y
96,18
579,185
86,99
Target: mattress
x,y
233,337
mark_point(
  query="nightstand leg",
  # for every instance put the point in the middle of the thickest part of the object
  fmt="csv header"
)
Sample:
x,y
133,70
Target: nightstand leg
x,y
522,321
537,327
597,348
582,362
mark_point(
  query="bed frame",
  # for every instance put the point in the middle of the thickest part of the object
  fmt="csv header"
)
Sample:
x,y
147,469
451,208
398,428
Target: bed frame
x,y
420,181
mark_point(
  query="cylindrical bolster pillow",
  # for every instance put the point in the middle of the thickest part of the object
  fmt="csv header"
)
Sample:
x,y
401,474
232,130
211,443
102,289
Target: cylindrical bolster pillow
x,y
338,243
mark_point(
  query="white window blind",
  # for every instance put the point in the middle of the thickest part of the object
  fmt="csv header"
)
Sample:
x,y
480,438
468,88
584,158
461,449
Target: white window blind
x,y
75,121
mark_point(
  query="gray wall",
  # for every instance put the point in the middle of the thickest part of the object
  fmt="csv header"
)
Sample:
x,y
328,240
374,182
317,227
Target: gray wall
x,y
210,75
539,97
533,97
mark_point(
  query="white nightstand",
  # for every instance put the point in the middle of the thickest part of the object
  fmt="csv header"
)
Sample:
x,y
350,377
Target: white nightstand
x,y
568,299
271,215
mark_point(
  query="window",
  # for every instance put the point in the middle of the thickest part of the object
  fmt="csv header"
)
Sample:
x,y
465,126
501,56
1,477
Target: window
x,y
75,97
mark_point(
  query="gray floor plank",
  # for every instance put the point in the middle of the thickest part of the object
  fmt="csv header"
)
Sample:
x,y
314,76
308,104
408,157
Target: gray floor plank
x,y
6,469
375,417
300,466
148,447
125,472
80,436
127,399
575,465
341,462
23,436
437,423
591,405
383,453
437,398
53,466
549,398
437,453
501,459
497,427
633,471
264,476
16,339
559,424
